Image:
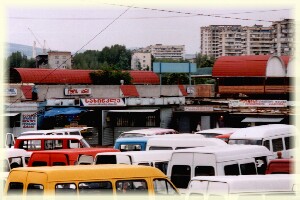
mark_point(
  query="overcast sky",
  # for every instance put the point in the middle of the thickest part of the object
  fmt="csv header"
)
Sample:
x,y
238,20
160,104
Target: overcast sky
x,y
86,26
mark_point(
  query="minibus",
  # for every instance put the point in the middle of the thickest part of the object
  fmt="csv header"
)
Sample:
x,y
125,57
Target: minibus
x,y
50,142
269,187
281,166
158,159
147,132
88,180
63,156
217,160
63,131
131,143
174,143
276,137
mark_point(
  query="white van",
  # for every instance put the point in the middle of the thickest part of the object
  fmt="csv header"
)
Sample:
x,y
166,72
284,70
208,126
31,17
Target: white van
x,y
216,161
276,137
63,131
181,142
147,132
242,187
158,159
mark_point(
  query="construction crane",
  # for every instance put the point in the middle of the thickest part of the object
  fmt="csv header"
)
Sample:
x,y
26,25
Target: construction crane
x,y
42,46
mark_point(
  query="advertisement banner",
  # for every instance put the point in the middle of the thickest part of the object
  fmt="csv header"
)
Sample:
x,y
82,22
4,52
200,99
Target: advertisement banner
x,y
77,91
102,102
29,121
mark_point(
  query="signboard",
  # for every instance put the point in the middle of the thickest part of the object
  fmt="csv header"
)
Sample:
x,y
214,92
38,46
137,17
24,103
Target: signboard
x,y
29,120
199,108
257,103
77,91
159,67
10,92
102,102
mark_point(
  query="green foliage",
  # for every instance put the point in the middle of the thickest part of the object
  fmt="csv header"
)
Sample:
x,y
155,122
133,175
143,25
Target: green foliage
x,y
108,76
175,79
204,81
17,60
116,57
204,60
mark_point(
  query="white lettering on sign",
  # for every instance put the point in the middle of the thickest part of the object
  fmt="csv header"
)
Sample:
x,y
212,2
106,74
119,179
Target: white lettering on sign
x,y
258,103
199,108
10,92
102,102
77,91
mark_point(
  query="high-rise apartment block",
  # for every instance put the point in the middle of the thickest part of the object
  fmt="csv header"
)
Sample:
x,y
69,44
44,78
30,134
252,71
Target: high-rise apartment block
x,y
236,40
141,61
160,51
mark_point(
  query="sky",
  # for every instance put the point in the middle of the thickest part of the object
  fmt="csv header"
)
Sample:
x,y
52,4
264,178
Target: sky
x,y
95,25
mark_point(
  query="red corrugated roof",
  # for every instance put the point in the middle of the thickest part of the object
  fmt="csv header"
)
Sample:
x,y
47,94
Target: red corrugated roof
x,y
285,60
129,91
182,89
27,91
241,66
65,76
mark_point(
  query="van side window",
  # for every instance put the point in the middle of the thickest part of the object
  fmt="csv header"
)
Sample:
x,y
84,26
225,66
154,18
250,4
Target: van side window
x,y
163,187
181,175
94,188
39,163
160,148
31,145
204,171
35,189
106,159
266,143
74,144
65,189
53,144
277,144
231,170
131,187
163,166
261,164
15,188
59,163
248,168
289,142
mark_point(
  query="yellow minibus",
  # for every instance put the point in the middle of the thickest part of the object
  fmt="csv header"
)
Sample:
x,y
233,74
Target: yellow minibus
x,y
93,180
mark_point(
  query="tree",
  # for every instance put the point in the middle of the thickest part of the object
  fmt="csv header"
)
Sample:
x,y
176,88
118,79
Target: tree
x,y
204,60
17,59
108,76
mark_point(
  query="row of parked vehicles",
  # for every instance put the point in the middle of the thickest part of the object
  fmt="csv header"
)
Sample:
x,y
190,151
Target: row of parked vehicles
x,y
180,169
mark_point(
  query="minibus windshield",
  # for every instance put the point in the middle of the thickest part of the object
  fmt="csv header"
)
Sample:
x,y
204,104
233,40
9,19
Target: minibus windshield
x,y
85,144
130,147
131,135
249,142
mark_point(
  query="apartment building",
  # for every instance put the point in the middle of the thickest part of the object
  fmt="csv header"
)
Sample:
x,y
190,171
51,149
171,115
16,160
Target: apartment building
x,y
283,37
236,40
141,61
59,59
161,51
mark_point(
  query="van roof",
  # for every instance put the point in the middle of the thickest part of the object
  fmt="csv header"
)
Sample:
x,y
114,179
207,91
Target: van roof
x,y
253,183
220,131
263,131
77,150
143,156
184,142
133,139
49,137
93,172
229,152
14,152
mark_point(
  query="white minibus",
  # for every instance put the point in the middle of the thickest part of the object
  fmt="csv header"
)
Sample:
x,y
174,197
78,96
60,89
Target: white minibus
x,y
276,137
271,187
181,142
216,161
158,159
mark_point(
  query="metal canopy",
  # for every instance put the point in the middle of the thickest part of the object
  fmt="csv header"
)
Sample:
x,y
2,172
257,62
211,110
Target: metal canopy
x,y
137,110
10,114
261,119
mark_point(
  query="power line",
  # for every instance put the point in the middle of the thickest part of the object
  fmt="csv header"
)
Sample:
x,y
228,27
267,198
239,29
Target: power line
x,y
133,18
43,78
